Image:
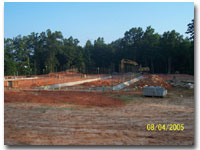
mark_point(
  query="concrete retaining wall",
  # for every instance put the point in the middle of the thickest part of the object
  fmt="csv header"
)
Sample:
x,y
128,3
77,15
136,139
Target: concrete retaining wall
x,y
127,83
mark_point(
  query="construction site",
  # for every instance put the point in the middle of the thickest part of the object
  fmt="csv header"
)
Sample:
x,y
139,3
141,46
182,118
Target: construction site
x,y
70,108
99,74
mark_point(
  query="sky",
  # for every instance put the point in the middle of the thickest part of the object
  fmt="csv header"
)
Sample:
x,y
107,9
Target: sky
x,y
88,21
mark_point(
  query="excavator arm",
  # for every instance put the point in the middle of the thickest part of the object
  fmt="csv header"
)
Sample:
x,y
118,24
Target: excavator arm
x,y
127,61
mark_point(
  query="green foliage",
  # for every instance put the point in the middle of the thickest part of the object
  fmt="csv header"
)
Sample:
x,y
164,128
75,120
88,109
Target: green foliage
x,y
190,30
9,63
51,52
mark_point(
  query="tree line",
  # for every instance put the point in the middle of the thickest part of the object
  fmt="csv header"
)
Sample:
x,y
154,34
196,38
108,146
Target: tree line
x,y
45,52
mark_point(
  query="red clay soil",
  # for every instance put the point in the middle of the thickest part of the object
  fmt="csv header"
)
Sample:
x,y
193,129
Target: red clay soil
x,y
56,97
150,80
106,82
116,79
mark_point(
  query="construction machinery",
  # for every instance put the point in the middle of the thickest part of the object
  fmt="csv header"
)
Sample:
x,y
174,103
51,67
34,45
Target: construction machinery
x,y
134,66
130,62
143,69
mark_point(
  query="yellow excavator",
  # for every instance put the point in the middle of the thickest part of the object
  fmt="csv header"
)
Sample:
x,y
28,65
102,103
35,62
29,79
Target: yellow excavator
x,y
134,64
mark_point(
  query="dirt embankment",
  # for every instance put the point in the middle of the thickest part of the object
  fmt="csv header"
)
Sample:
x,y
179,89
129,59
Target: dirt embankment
x,y
56,97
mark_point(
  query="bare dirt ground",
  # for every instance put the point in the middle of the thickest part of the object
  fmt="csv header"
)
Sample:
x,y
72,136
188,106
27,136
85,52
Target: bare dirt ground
x,y
109,118
59,97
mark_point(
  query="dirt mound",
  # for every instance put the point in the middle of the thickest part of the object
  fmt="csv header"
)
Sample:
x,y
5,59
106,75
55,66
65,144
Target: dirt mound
x,y
151,80
56,97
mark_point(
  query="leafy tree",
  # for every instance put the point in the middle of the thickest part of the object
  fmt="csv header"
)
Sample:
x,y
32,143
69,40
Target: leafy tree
x,y
87,52
132,43
53,45
22,55
150,41
41,53
9,60
170,42
102,55
190,30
